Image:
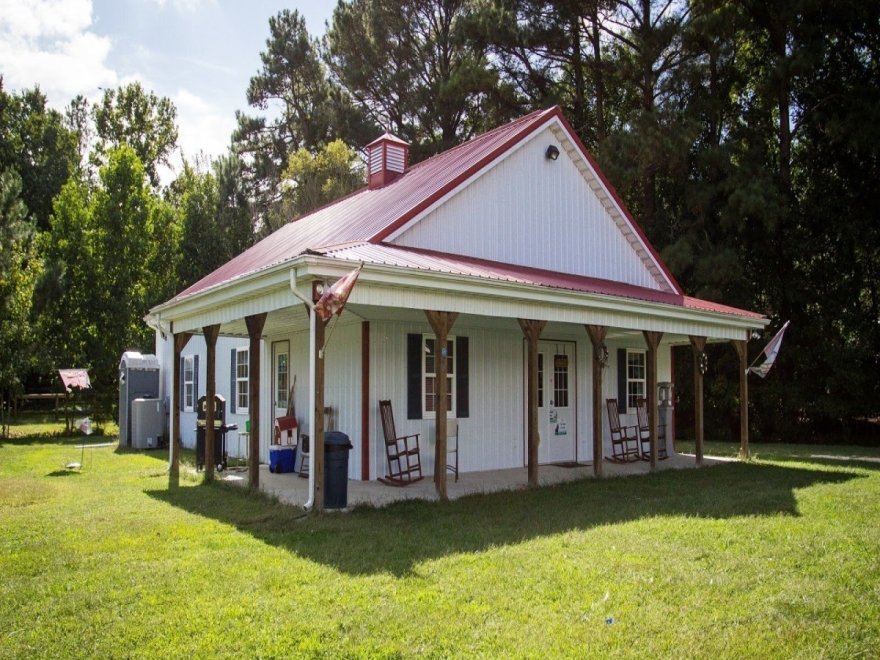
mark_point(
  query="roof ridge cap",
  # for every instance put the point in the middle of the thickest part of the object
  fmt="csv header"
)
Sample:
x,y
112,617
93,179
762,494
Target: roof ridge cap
x,y
498,129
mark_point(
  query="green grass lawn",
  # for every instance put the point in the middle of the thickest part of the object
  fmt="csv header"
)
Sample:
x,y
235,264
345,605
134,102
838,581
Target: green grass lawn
x,y
778,557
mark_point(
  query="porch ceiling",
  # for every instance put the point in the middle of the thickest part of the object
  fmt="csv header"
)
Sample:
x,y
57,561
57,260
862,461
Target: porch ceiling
x,y
294,319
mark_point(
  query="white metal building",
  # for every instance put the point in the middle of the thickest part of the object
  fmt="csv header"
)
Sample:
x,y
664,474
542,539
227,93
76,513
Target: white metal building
x,y
516,224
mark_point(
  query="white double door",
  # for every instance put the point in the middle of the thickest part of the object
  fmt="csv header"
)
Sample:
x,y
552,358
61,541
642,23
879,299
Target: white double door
x,y
556,401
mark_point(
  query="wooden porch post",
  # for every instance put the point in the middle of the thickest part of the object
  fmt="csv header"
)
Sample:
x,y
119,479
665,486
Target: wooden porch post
x,y
600,352
698,344
742,352
365,400
532,331
652,339
255,325
180,340
211,332
317,448
441,323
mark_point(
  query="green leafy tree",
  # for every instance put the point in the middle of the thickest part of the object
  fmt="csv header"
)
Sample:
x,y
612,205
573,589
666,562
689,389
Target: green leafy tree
x,y
235,214
314,179
291,88
412,68
132,116
216,218
105,269
19,265
552,53
196,198
78,119
66,289
36,144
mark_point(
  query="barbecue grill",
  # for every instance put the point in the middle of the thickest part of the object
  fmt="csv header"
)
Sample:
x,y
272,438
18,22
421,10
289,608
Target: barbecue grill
x,y
220,429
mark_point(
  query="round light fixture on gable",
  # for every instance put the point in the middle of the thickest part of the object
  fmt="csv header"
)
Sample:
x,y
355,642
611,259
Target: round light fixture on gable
x,y
552,152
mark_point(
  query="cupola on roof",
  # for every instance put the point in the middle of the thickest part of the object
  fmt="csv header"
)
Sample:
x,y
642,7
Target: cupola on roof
x,y
387,158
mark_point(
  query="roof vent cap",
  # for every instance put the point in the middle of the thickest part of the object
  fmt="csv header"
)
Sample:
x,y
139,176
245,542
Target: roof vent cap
x,y
387,159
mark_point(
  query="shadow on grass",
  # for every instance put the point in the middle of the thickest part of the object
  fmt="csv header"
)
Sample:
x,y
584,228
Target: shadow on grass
x,y
55,438
396,538
64,473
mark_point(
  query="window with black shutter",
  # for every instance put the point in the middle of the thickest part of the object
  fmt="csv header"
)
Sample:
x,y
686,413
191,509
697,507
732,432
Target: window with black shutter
x,y
421,363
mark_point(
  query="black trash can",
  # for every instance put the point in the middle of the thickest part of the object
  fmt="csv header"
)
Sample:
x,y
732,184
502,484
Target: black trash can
x,y
336,448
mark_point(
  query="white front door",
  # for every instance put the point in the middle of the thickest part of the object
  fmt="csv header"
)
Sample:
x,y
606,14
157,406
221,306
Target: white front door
x,y
280,376
556,401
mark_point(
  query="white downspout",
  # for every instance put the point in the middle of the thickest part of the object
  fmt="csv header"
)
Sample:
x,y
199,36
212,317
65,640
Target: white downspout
x,y
312,369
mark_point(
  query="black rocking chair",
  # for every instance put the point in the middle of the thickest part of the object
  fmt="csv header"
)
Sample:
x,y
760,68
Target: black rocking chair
x,y
624,439
404,456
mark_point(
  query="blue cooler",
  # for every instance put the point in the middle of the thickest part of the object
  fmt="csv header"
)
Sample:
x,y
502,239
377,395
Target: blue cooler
x,y
282,459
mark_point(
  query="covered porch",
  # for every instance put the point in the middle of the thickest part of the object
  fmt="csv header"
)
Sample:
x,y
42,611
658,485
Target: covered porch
x,y
505,312
290,489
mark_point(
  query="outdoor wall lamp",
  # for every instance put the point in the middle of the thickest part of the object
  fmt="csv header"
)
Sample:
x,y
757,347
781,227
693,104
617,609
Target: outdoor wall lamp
x,y
552,152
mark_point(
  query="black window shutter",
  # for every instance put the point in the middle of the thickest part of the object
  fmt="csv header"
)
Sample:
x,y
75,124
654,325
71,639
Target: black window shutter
x,y
195,380
181,383
462,393
232,374
413,376
621,380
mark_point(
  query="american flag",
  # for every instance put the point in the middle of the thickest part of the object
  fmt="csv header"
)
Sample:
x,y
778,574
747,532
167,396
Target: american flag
x,y
770,350
333,299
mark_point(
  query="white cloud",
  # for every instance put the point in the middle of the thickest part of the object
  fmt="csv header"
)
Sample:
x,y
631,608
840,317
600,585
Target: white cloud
x,y
203,130
184,5
53,44
48,43
204,127
45,18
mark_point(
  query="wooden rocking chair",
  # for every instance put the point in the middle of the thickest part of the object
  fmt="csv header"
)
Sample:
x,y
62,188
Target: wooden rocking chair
x,y
645,433
404,457
624,439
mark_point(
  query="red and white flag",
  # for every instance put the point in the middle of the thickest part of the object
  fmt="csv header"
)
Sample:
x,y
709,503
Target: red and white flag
x,y
333,299
770,350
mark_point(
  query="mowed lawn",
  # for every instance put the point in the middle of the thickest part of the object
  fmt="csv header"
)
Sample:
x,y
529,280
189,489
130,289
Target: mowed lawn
x,y
778,557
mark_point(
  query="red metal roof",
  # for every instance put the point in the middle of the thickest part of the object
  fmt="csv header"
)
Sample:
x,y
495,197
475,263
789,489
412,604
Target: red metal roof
x,y
429,260
372,215
366,214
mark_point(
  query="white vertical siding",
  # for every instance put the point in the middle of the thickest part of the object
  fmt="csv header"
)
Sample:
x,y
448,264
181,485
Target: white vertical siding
x,y
342,383
534,212
196,346
491,436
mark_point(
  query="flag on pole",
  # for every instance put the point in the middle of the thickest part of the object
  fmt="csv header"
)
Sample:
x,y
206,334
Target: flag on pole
x,y
333,299
770,351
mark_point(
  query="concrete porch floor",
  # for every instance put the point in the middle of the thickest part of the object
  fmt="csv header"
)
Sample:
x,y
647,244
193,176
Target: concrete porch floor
x,y
292,489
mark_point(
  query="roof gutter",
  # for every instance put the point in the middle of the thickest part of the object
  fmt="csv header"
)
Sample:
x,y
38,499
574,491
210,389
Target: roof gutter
x,y
381,274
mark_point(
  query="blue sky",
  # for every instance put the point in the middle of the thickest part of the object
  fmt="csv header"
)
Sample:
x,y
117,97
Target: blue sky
x,y
199,53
